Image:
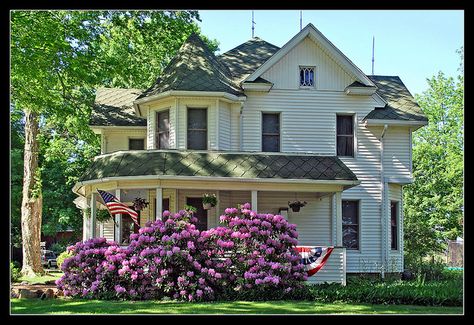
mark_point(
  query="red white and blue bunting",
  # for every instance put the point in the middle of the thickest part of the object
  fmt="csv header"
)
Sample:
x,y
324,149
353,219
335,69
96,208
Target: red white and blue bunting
x,y
314,257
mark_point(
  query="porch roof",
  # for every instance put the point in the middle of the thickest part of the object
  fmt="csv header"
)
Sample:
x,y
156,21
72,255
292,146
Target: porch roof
x,y
218,164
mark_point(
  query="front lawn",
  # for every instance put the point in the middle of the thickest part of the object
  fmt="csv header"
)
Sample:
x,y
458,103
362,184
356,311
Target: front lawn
x,y
76,306
48,276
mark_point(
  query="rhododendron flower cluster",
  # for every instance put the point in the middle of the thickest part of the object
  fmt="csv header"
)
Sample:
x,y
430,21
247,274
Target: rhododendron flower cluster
x,y
171,258
259,248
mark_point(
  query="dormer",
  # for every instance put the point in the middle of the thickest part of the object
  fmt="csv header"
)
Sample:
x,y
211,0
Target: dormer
x,y
310,62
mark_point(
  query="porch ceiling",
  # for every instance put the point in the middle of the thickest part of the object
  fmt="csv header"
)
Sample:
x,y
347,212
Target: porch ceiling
x,y
218,165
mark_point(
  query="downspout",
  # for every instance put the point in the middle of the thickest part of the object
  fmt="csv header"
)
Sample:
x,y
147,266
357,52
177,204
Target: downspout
x,y
241,127
383,219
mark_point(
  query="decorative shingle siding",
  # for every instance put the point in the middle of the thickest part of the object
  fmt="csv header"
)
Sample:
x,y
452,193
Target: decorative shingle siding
x,y
259,166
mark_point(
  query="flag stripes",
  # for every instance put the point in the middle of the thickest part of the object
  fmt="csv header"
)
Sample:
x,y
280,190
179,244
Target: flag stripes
x,y
115,206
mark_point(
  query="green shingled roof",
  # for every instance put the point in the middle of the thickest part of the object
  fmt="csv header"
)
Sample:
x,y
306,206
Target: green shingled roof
x,y
244,59
194,68
113,106
240,165
400,103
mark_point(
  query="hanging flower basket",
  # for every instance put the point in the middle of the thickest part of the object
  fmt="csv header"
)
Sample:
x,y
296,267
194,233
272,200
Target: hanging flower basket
x,y
139,204
209,201
296,205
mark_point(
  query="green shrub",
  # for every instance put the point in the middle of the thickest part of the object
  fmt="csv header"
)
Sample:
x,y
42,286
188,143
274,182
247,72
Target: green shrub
x,y
427,293
60,259
58,248
15,272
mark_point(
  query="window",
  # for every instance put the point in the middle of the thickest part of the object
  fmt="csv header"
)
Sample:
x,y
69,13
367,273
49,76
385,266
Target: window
x,y
306,76
128,227
394,224
197,128
136,144
345,135
163,130
270,132
350,224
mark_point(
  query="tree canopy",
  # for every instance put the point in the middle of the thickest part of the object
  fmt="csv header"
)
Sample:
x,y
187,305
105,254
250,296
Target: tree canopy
x,y
434,203
58,59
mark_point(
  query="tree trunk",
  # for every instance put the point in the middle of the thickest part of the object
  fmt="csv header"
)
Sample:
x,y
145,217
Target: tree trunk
x,y
32,203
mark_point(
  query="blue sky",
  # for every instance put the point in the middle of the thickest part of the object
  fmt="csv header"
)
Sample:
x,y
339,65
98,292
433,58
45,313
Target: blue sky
x,y
413,44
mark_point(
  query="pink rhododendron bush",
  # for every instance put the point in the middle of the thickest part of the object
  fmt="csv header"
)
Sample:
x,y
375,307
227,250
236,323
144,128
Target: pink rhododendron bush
x,y
171,259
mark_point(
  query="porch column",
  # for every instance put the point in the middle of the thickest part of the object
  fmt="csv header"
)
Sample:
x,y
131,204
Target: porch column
x,y
255,200
93,221
338,219
159,203
85,225
118,220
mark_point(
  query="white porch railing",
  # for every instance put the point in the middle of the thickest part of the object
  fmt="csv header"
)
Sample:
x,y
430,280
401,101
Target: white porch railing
x,y
334,270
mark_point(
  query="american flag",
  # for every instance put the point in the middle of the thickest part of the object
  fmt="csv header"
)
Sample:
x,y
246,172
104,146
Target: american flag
x,y
115,206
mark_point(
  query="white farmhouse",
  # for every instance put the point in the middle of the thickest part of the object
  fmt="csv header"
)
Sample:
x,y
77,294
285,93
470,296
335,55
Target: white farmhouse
x,y
269,126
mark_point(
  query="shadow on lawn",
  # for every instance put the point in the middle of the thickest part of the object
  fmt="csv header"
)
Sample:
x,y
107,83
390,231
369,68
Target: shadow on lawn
x,y
66,306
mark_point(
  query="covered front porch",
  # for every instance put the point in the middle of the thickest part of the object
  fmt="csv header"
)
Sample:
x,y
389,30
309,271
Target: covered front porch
x,y
265,181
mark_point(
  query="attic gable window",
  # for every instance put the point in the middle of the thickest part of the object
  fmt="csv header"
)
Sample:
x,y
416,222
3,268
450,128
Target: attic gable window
x,y
306,76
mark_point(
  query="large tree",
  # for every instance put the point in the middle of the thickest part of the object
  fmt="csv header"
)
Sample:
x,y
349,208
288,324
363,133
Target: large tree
x,y
434,206
58,58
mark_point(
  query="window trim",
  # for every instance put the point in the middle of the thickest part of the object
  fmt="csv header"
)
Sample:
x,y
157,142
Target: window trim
x,y
314,76
279,128
397,218
354,135
157,130
359,223
207,125
136,138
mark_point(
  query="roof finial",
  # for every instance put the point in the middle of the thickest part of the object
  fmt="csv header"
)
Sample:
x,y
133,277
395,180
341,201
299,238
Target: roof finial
x,y
373,46
253,27
301,19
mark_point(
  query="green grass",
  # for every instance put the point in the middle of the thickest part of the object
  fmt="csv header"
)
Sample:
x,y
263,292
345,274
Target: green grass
x,y
48,276
76,306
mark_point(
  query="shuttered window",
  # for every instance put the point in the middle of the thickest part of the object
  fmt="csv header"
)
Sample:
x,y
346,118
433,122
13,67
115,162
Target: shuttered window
x,y
163,130
394,225
345,135
350,224
197,128
270,132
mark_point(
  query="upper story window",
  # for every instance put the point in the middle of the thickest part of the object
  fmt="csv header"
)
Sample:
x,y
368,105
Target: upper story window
x,y
350,224
136,144
163,130
394,224
270,132
306,76
197,128
345,135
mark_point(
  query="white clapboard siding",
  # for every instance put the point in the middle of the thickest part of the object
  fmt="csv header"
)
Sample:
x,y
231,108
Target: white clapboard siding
x,y
235,127
396,256
117,138
108,231
333,270
329,75
308,121
167,105
397,156
183,105
224,126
